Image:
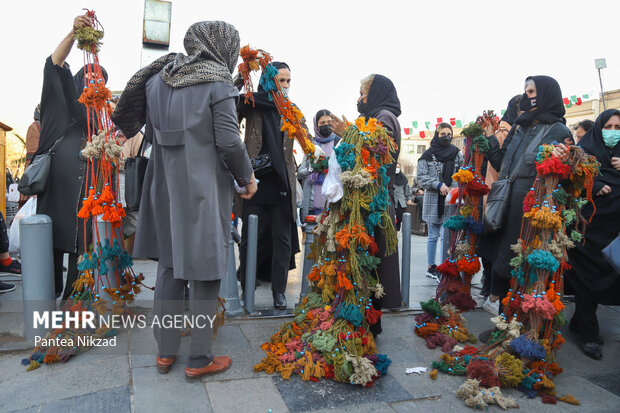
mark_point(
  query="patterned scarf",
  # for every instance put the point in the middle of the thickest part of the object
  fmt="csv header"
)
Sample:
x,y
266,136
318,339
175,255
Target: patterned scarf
x,y
212,52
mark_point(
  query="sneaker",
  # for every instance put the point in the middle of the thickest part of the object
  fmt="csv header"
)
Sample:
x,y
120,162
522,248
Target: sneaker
x,y
432,273
13,268
6,287
491,307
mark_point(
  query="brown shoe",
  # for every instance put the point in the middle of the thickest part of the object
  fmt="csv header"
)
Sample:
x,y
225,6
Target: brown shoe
x,y
164,364
218,365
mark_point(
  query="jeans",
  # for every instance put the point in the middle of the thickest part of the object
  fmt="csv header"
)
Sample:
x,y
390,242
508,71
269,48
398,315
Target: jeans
x,y
435,232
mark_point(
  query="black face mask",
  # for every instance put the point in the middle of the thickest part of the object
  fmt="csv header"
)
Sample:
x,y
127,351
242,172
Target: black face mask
x,y
444,140
361,107
527,103
325,130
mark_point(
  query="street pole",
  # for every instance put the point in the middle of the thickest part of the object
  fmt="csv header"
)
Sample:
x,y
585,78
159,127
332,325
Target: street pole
x,y
600,79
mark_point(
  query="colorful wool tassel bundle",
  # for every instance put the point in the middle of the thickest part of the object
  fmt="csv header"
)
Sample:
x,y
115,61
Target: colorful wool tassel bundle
x,y
105,267
465,226
292,118
329,336
521,352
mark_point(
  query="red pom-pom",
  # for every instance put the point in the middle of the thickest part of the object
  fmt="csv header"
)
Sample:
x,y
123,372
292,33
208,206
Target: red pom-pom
x,y
484,372
449,269
476,187
553,166
529,201
373,315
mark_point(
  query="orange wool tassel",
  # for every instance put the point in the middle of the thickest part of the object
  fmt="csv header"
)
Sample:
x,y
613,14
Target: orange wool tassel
x,y
427,330
343,281
315,274
343,237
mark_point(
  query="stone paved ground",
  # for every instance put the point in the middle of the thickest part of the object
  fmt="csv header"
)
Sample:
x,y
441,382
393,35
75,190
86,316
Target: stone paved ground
x,y
126,380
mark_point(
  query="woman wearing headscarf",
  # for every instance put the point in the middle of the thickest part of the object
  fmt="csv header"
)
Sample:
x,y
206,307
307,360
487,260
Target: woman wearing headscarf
x,y
313,180
378,99
275,203
63,116
188,103
593,278
402,194
435,169
542,122
505,126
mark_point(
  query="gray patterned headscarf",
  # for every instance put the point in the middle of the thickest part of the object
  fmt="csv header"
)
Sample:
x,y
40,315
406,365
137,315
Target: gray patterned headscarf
x,y
212,51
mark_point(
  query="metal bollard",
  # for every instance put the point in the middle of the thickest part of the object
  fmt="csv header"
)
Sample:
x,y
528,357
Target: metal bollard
x,y
405,269
228,289
308,230
250,262
35,233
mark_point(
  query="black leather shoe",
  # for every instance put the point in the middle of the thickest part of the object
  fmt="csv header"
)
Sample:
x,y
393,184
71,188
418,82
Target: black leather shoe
x,y
279,301
599,340
592,350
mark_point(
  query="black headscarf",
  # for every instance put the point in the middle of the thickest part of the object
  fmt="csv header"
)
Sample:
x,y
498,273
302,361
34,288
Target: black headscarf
x,y
400,179
511,111
592,142
447,156
382,96
550,107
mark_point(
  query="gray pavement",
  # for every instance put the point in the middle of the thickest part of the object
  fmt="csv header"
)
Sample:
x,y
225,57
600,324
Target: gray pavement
x,y
126,380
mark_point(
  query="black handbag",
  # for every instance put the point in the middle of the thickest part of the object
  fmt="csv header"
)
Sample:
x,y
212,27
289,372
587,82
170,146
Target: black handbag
x,y
35,177
612,253
261,165
499,196
135,168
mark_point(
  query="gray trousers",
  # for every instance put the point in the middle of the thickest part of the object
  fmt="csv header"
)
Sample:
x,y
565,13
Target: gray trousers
x,y
169,305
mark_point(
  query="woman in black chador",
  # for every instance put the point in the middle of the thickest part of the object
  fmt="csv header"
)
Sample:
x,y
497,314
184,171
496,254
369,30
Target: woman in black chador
x,y
594,280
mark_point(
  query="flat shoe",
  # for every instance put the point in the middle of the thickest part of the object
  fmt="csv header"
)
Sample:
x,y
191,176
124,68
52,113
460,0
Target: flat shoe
x,y
164,364
592,350
218,365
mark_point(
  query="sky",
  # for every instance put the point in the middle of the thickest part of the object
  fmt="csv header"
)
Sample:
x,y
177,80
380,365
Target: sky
x,y
446,58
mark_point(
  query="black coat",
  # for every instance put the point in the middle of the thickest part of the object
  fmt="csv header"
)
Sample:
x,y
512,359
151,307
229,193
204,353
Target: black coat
x,y
61,198
590,270
513,154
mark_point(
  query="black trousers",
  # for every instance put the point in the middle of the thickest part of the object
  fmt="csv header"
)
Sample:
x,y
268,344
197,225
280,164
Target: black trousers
x,y
72,273
399,216
585,322
274,226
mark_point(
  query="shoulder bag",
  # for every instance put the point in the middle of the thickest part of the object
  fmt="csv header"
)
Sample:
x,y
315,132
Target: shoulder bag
x,y
135,168
35,177
499,196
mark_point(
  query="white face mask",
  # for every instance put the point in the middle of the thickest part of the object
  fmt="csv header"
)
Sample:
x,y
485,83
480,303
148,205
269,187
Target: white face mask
x,y
397,170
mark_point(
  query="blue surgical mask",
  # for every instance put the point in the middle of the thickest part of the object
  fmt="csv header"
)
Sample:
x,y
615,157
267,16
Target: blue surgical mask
x,y
611,137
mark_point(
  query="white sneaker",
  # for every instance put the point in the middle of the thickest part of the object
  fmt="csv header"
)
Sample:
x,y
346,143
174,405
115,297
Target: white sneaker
x,y
491,307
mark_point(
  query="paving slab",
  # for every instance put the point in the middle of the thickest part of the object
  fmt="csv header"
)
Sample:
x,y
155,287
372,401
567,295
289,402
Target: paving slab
x,y
62,380
359,408
154,392
302,396
116,399
247,395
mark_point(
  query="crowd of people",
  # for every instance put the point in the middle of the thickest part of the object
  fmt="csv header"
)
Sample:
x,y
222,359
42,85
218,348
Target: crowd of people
x,y
186,109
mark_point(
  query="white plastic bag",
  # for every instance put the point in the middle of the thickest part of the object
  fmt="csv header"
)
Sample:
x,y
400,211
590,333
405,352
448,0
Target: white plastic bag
x,y
332,187
13,193
29,208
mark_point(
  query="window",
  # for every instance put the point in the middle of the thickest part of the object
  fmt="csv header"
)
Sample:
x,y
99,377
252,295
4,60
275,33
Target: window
x,y
421,148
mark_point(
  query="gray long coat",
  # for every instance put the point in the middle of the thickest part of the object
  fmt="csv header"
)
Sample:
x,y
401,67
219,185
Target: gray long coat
x,y
185,212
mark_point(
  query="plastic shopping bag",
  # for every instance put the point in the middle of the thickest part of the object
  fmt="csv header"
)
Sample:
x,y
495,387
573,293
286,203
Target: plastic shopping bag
x,y
29,208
